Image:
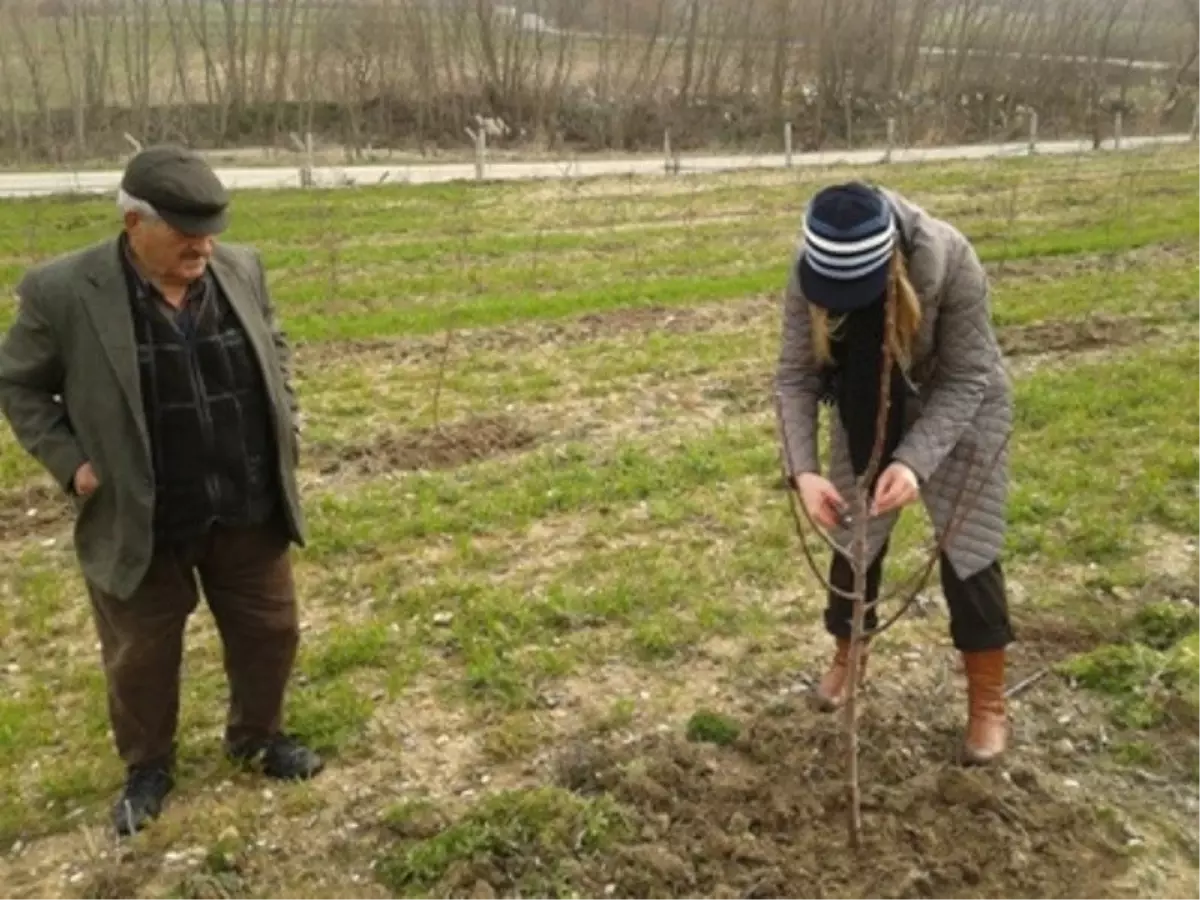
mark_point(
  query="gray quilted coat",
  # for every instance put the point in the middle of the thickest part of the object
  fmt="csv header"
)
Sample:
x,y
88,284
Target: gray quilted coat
x,y
956,428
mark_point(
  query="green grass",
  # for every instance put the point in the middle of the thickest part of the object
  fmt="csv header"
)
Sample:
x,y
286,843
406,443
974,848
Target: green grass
x,y
1152,676
523,839
417,259
510,601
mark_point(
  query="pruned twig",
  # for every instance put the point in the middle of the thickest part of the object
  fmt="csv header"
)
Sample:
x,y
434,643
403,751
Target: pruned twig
x,y
1026,683
441,376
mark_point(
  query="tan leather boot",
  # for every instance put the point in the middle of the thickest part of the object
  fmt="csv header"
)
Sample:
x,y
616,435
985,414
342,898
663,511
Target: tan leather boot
x,y
830,692
987,726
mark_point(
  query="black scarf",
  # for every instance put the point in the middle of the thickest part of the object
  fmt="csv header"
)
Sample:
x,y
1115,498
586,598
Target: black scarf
x,y
851,383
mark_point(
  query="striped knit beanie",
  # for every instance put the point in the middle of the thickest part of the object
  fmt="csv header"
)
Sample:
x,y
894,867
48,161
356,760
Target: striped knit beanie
x,y
849,236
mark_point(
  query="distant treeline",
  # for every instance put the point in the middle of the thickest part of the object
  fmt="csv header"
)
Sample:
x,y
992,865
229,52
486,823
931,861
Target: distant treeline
x,y
77,76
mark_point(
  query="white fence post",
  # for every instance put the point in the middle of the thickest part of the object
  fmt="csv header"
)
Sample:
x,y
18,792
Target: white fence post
x,y
479,137
306,173
787,144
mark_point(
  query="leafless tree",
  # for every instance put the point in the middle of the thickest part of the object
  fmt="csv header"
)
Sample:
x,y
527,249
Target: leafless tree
x,y
78,74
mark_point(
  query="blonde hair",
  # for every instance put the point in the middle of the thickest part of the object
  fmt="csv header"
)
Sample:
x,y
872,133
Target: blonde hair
x,y
901,329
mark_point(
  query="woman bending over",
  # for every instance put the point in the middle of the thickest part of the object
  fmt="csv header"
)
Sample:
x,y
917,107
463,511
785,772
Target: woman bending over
x,y
865,252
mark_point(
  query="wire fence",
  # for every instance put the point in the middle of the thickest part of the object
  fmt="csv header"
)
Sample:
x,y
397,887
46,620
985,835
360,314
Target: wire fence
x,y
889,146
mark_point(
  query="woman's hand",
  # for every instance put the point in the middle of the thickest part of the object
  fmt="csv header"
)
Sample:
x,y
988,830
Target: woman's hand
x,y
822,500
897,487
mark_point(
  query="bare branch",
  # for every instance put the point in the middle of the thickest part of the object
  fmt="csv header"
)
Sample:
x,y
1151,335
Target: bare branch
x,y
960,515
797,507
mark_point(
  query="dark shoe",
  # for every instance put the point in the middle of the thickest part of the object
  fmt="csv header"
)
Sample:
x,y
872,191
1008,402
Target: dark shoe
x,y
987,727
142,799
280,756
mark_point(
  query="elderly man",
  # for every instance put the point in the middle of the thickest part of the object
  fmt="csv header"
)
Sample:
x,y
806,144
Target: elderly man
x,y
147,374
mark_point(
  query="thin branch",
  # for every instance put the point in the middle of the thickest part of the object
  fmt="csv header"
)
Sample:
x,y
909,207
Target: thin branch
x,y
1023,685
812,562
917,583
947,535
796,504
789,478
859,561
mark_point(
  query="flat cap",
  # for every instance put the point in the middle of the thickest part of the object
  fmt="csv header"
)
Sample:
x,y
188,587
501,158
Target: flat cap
x,y
181,186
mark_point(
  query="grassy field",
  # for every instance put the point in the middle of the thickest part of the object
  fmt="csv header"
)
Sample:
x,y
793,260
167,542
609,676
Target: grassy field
x,y
557,627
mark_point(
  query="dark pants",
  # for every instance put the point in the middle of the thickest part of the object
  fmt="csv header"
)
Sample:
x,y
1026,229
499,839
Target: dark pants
x,y
978,605
246,576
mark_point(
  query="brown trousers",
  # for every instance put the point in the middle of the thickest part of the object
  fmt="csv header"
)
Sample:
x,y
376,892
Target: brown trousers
x,y
246,576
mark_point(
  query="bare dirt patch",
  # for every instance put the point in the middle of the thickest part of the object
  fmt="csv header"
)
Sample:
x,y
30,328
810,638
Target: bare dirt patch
x,y
1056,268
1074,335
441,447
531,335
36,510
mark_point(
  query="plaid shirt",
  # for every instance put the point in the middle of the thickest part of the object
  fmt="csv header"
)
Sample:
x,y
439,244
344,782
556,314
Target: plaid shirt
x,y
206,410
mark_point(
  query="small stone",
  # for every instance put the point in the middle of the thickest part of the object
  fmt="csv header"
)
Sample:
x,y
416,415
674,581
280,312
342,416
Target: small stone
x,y
12,668
610,889
32,513
443,618
1129,831
1071,783
1064,747
76,877
484,779
442,740
18,846
645,695
267,794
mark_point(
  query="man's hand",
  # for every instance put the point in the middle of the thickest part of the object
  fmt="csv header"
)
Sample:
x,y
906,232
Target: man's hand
x,y
85,481
897,487
821,499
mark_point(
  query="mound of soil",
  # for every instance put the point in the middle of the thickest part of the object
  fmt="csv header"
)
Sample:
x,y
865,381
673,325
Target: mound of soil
x,y
766,817
444,447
